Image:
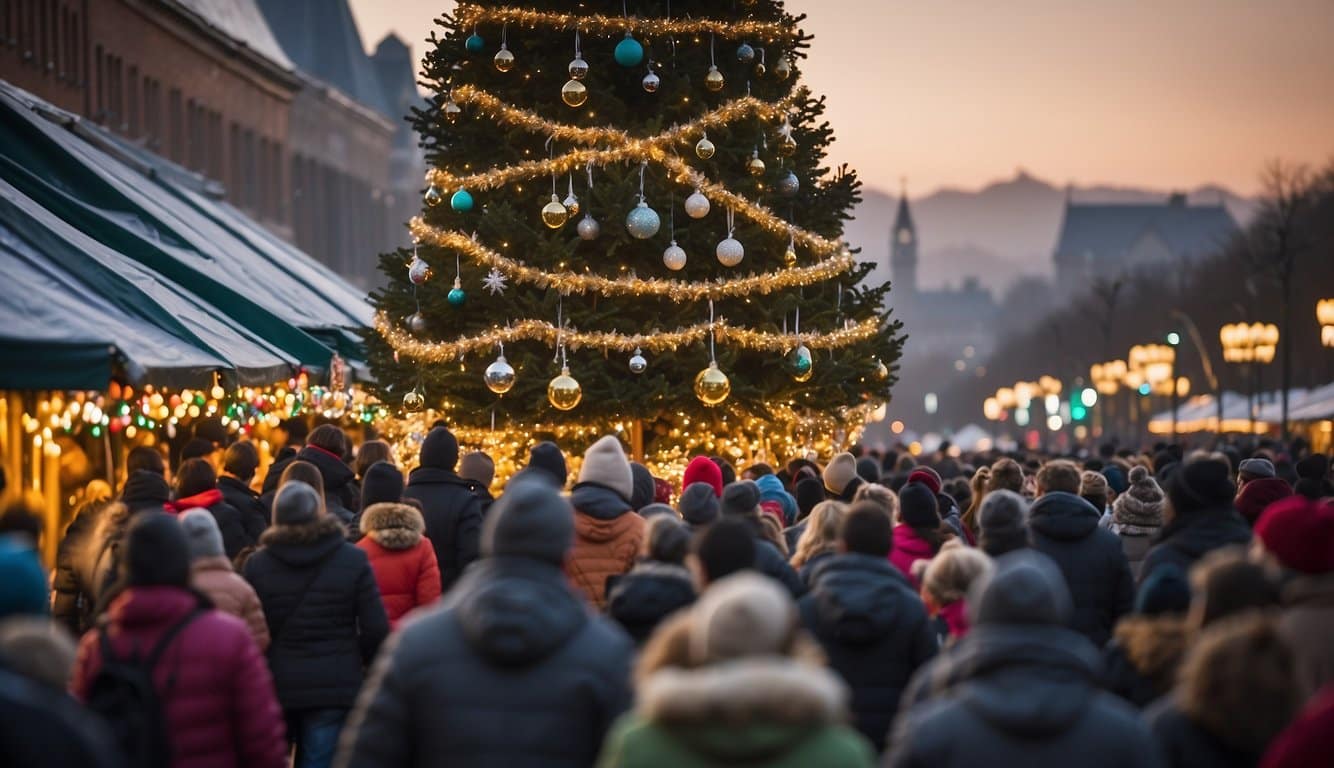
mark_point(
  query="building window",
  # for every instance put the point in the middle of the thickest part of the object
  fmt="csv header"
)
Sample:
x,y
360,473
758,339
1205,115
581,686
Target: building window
x,y
175,127
132,103
99,101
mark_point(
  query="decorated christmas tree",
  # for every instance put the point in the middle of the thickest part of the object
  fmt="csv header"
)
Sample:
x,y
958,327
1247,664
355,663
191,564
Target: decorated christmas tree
x,y
632,200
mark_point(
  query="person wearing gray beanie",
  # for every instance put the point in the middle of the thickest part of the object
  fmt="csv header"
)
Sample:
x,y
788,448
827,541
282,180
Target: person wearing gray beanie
x,y
511,636
698,505
296,504
1020,686
1002,523
212,574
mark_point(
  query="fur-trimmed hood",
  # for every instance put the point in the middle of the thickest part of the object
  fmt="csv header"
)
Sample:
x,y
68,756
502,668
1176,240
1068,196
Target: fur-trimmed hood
x,y
757,690
393,526
304,543
1154,646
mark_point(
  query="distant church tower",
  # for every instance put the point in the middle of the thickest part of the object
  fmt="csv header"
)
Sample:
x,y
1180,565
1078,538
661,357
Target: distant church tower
x,y
903,250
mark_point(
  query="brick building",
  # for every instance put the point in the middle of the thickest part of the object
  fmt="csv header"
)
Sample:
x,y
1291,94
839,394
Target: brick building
x,y
207,84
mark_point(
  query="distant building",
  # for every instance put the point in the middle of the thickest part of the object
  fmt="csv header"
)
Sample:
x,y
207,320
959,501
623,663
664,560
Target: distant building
x,y
1105,240
206,84
949,321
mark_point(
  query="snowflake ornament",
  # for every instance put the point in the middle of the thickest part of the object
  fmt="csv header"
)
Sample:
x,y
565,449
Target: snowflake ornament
x,y
494,282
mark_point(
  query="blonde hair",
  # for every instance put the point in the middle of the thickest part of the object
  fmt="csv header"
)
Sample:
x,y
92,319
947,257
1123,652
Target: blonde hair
x,y
821,534
953,571
879,495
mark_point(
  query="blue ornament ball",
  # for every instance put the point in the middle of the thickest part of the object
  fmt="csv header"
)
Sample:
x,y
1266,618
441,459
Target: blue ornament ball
x,y
475,43
643,222
461,201
456,297
629,52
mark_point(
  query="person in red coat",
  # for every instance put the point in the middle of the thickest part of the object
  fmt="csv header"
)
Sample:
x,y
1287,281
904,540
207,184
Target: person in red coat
x,y
217,697
401,557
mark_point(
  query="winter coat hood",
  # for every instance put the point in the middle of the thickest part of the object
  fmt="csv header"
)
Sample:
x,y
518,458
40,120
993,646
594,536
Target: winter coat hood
x,y
336,474
1063,516
647,594
908,549
299,545
745,711
392,526
436,476
516,611
1154,646
1028,681
1197,532
201,500
858,599
599,501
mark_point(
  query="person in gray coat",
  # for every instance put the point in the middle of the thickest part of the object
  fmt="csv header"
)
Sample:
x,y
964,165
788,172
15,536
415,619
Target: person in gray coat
x,y
1020,688
509,669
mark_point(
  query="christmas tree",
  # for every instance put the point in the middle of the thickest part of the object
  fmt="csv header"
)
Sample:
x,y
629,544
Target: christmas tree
x,y
635,193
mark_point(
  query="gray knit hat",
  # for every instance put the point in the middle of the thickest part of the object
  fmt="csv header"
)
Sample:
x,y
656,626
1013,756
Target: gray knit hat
x,y
698,504
296,504
201,533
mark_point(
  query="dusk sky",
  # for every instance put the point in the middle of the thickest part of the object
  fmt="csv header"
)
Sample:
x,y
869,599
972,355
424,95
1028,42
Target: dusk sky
x,y
1157,93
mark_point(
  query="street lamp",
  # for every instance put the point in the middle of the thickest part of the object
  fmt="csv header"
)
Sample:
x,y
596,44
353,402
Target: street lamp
x,y
1253,345
1324,312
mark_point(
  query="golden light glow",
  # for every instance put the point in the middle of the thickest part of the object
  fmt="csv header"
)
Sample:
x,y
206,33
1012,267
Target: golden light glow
x,y
571,282
472,14
405,343
1253,343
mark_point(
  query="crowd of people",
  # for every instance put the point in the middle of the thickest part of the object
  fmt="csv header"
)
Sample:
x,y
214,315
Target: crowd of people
x,y
1112,608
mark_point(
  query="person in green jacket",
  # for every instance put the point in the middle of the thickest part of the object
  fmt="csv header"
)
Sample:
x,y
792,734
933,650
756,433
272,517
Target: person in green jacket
x,y
735,680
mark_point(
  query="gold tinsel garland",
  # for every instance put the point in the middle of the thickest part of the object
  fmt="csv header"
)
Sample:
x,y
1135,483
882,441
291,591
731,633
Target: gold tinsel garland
x,y
405,343
472,14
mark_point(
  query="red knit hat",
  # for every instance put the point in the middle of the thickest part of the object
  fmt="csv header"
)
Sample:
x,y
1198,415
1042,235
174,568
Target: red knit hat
x,y
1300,533
701,469
926,476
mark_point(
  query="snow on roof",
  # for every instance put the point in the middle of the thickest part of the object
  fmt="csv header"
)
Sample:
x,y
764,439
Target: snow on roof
x,y
242,22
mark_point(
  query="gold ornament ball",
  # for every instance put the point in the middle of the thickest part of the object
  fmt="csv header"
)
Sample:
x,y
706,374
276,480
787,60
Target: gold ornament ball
x,y
564,393
578,67
704,149
574,93
554,214
571,204
714,80
756,165
451,112
414,402
712,386
787,146
434,196
783,69
789,258
504,59
499,376
881,371
760,69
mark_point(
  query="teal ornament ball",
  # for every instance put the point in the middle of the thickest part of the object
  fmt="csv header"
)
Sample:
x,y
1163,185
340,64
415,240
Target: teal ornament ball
x,y
643,222
456,296
801,362
475,43
461,201
629,52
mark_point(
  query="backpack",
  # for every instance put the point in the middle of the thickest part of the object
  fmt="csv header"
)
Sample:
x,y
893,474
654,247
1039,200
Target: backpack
x,y
124,695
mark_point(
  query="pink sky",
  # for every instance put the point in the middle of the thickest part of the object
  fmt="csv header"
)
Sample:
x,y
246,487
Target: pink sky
x,y
1159,93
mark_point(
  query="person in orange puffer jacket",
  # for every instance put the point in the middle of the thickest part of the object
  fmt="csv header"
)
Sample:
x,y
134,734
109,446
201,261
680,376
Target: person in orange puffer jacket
x,y
607,532
401,557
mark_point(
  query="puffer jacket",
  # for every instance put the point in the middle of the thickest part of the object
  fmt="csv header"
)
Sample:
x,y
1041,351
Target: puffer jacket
x,y
607,537
73,594
774,712
216,692
1192,535
875,631
453,516
48,728
254,513
649,593
321,635
220,583
1065,528
1020,694
403,560
509,669
1140,663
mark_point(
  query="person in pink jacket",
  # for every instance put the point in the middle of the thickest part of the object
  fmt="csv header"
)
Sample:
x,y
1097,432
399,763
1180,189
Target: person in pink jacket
x,y
212,573
216,695
919,534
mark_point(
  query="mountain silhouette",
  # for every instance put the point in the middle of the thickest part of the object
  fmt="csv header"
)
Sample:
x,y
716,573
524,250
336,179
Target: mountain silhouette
x,y
997,233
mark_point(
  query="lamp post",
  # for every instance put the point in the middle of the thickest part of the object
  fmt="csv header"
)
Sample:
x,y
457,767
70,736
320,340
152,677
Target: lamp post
x,y
1252,345
1157,363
